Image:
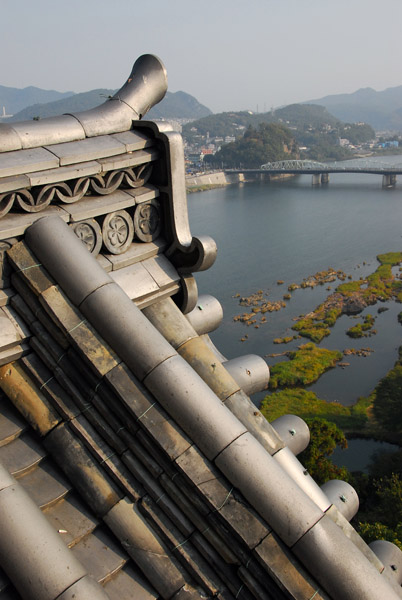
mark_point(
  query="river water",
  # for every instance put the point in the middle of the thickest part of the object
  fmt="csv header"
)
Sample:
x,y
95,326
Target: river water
x,y
288,230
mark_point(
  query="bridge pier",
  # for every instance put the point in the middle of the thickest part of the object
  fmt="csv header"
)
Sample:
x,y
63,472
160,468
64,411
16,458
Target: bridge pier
x,y
320,178
388,180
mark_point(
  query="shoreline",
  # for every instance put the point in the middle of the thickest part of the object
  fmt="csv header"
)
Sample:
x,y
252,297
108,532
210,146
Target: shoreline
x,y
209,180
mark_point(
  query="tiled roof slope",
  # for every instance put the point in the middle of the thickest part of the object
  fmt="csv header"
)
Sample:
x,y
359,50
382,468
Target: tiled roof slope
x,y
133,464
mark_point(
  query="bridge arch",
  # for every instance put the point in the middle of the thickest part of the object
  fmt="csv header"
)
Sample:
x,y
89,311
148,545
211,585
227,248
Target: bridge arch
x,y
294,165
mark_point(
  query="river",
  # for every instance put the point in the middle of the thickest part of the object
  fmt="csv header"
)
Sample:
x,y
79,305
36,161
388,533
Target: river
x,y
288,230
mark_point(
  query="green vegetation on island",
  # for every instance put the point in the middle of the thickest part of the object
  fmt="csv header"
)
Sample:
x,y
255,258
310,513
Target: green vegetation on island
x,y
307,405
304,366
352,297
362,329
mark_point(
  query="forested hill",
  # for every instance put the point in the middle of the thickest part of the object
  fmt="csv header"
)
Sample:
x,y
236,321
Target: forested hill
x,y
267,143
178,105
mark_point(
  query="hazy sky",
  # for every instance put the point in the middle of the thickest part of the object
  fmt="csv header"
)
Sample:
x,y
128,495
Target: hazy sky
x,y
229,54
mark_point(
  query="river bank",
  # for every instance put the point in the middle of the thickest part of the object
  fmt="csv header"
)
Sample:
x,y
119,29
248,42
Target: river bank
x,y
217,179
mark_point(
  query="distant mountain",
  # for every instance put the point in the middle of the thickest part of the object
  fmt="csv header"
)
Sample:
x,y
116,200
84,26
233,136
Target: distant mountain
x,y
382,110
178,105
14,99
71,104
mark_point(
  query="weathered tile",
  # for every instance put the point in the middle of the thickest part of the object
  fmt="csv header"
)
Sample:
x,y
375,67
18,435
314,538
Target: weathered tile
x,y
144,408
11,422
79,372
189,509
163,460
135,280
14,182
227,572
76,171
283,567
107,457
128,584
33,303
14,224
129,391
149,483
6,296
12,354
253,585
28,266
146,549
182,547
49,386
117,407
93,206
224,501
23,309
133,140
64,314
20,455
86,150
91,482
71,519
9,335
230,505
26,161
109,416
5,267
45,484
197,467
144,194
95,429
99,553
168,292
98,355
162,271
27,398
168,435
136,253
138,450
131,159
20,326
104,263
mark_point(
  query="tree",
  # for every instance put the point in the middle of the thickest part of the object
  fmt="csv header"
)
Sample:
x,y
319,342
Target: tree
x,y
383,518
387,406
324,438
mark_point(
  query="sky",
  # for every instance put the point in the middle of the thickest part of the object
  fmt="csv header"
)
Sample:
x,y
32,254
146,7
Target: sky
x,y
229,54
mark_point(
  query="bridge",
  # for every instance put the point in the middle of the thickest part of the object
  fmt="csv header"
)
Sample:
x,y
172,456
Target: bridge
x,y
321,171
